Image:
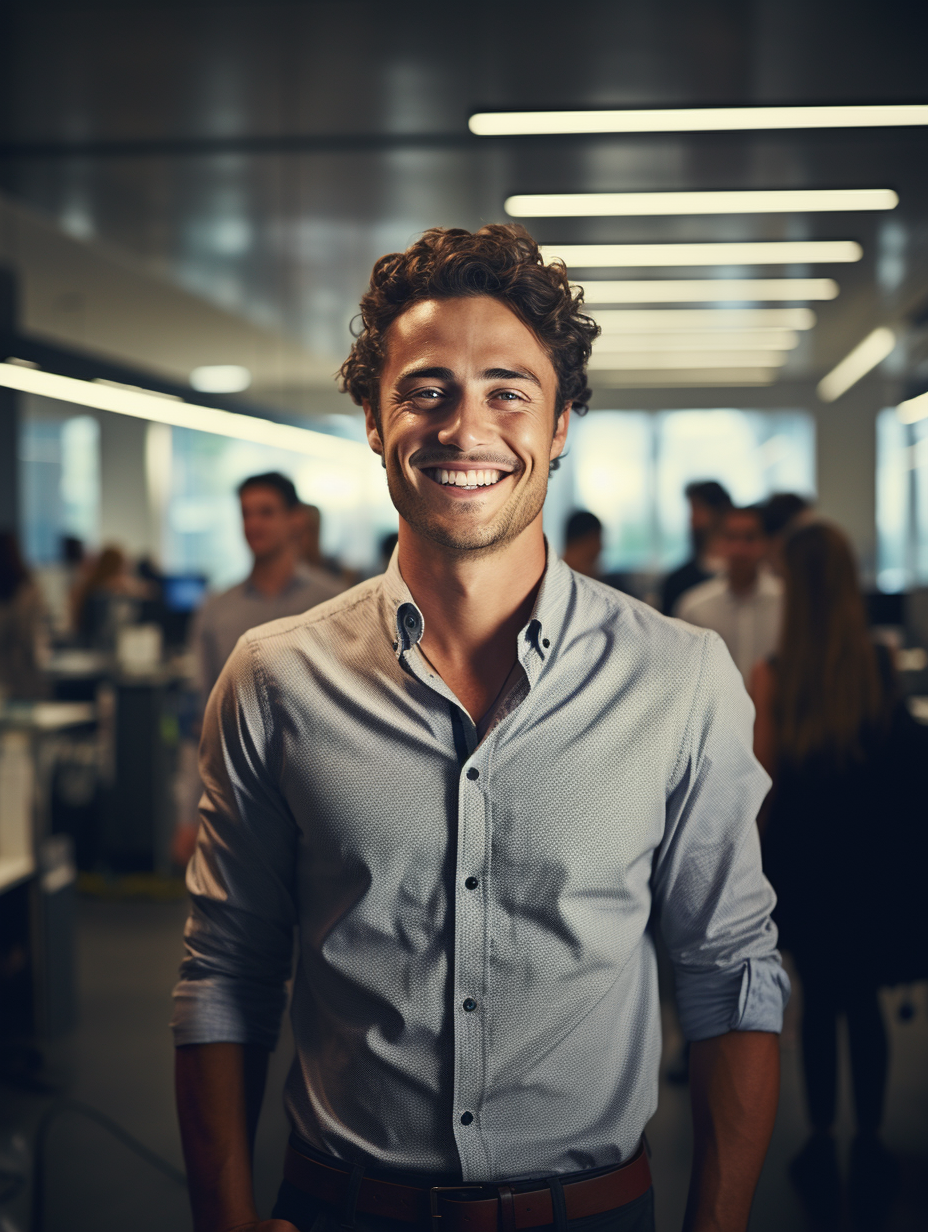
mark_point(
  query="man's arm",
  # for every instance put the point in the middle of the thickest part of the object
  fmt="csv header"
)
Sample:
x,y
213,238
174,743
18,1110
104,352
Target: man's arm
x,y
735,1085
219,1092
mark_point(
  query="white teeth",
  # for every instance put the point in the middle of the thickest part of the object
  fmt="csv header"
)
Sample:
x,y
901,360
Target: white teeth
x,y
466,479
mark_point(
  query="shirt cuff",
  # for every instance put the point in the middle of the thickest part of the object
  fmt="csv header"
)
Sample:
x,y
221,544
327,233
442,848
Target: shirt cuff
x,y
214,1011
748,997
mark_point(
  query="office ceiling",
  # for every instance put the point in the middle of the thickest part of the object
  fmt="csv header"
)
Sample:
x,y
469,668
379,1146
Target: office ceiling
x,y
265,154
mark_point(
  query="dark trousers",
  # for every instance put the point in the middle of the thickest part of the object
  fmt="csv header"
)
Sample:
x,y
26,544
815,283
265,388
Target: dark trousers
x,y
824,999
311,1215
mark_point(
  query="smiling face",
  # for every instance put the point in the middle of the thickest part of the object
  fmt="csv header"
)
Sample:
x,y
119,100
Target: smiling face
x,y
466,423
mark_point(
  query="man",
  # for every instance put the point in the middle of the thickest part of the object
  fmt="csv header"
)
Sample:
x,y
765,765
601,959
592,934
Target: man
x,y
744,605
279,585
709,502
468,782
583,543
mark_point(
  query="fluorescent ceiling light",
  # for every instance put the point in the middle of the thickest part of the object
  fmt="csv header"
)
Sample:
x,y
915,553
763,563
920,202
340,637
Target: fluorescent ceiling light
x,y
913,409
141,404
617,379
641,204
220,379
694,119
864,357
764,252
645,320
687,359
706,290
719,339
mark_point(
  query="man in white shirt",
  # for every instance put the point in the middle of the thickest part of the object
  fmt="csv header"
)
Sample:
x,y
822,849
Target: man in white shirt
x,y
744,604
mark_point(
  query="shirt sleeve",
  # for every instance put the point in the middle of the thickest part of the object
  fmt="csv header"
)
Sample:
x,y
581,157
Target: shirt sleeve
x,y
239,936
713,900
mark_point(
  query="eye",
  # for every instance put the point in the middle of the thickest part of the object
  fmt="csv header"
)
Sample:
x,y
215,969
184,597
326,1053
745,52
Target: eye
x,y
426,395
508,395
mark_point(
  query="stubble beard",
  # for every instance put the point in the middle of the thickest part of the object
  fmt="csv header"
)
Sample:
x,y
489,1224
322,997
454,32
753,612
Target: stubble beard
x,y
462,533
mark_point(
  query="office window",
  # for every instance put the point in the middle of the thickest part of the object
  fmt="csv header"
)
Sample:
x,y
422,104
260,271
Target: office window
x,y
630,468
59,479
203,532
901,502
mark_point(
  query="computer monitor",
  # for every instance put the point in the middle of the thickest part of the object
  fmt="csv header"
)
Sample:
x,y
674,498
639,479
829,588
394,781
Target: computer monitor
x,y
183,592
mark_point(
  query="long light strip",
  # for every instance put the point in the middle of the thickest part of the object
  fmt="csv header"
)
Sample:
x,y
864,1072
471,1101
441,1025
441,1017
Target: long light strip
x,y
864,357
179,414
646,204
708,340
706,290
646,320
695,119
763,252
913,409
617,379
687,359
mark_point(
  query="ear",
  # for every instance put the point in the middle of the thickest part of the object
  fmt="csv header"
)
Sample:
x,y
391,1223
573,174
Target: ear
x,y
373,432
560,433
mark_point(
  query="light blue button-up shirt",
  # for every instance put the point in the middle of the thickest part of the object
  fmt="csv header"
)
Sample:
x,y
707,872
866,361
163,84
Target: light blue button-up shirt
x,y
476,985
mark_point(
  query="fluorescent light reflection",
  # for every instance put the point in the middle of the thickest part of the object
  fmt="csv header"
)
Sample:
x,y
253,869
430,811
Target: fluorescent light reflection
x,y
763,252
220,379
642,204
645,320
706,290
913,409
688,359
690,377
694,119
694,340
864,357
141,404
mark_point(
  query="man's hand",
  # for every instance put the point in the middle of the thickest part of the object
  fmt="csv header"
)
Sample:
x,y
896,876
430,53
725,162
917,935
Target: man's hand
x,y
735,1085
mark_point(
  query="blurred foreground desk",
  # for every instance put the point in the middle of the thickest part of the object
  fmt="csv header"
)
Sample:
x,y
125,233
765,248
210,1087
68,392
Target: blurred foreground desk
x,y
37,875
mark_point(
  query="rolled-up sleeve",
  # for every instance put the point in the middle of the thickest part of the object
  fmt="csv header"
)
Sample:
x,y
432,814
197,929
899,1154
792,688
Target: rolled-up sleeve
x,y
713,900
239,936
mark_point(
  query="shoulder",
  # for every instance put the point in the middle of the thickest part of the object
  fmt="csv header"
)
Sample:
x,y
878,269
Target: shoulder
x,y
697,597
214,604
328,622
667,644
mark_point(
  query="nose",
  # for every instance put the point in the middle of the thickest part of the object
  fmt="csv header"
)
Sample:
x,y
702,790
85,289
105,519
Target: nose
x,y
467,424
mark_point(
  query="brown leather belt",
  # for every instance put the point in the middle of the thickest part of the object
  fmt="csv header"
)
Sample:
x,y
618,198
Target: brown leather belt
x,y
503,1210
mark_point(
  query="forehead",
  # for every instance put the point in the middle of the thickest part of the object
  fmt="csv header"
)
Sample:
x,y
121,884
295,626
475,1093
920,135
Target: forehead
x,y
742,523
260,494
467,332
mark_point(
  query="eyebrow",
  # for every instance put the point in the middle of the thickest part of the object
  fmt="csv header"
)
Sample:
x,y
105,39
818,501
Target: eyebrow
x,y
488,374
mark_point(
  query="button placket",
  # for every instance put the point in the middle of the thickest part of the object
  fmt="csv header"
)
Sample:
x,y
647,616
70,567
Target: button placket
x,y
469,1008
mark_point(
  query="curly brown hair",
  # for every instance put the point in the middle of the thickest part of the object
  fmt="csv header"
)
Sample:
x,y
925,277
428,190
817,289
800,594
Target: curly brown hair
x,y
500,260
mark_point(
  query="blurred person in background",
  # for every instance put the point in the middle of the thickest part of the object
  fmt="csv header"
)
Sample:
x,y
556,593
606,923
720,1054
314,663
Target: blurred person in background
x,y
22,626
843,823
782,513
744,603
387,548
105,598
708,502
583,543
281,583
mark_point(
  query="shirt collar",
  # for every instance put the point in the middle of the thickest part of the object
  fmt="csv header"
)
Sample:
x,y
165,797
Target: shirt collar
x,y
405,624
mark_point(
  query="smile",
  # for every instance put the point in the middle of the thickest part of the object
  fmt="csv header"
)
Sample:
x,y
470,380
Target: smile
x,y
485,477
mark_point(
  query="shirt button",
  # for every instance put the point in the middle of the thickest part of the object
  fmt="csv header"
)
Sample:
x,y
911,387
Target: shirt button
x,y
471,883
473,773
545,642
410,621
466,1118
469,1005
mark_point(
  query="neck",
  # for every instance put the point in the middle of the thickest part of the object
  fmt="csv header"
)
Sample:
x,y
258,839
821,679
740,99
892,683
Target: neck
x,y
272,573
743,584
477,606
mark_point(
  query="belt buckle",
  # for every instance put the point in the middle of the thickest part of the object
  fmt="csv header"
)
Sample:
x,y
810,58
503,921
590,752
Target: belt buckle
x,y
433,1201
